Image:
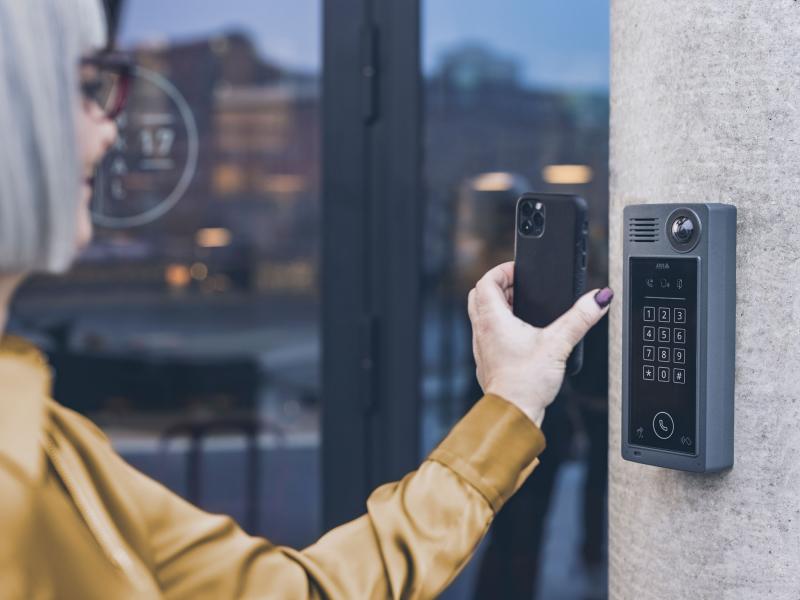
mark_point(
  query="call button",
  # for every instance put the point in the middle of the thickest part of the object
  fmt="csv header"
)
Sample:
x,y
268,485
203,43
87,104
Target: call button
x,y
663,425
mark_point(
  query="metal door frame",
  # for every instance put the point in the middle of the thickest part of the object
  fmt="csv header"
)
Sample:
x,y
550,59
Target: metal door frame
x,y
371,274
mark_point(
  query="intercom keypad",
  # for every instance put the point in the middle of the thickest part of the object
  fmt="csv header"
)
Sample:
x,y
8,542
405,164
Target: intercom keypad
x,y
665,353
662,341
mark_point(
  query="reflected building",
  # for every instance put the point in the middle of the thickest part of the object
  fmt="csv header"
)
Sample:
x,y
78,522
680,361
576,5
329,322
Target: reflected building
x,y
481,117
255,187
488,137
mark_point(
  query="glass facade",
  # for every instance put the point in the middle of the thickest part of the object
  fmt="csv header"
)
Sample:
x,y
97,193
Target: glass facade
x,y
515,100
189,330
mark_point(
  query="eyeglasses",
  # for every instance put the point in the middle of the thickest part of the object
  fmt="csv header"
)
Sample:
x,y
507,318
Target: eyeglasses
x,y
106,81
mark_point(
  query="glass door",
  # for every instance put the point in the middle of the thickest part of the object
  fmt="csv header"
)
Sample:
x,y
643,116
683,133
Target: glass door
x,y
190,329
516,100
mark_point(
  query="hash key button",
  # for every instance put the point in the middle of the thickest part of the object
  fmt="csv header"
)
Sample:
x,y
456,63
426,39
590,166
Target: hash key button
x,y
680,315
663,314
678,375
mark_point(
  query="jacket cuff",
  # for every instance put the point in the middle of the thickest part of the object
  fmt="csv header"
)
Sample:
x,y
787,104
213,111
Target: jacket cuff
x,y
494,448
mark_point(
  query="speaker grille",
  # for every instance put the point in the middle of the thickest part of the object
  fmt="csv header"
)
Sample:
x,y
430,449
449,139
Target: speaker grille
x,y
643,229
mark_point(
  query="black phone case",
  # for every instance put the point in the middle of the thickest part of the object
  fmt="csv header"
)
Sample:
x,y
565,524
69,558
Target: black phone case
x,y
550,271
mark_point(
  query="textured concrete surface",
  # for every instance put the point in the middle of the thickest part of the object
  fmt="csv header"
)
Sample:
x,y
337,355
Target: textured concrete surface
x,y
705,106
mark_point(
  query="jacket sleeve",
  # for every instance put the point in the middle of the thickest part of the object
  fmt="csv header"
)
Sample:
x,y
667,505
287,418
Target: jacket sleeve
x,y
21,575
416,536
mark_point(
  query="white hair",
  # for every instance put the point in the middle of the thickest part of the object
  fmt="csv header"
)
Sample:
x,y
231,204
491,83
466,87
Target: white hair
x,y
41,42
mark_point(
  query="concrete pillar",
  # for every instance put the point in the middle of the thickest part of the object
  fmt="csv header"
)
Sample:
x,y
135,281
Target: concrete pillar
x,y
705,106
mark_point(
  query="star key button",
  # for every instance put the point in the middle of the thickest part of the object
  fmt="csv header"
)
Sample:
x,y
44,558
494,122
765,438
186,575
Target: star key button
x,y
648,373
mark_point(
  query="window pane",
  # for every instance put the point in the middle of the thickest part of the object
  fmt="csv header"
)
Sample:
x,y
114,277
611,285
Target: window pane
x,y
515,100
194,313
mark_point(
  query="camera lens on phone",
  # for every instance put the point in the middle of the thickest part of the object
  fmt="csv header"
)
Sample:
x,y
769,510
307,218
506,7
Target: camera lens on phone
x,y
526,226
526,208
538,219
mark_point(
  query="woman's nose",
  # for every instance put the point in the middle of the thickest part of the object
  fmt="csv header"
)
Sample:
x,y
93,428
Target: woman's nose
x,y
109,133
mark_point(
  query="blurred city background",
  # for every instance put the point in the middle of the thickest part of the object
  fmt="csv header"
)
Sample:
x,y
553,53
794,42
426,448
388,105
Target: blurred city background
x,y
190,331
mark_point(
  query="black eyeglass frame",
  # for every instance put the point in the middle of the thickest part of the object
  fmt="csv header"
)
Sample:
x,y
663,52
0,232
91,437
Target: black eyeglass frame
x,y
120,64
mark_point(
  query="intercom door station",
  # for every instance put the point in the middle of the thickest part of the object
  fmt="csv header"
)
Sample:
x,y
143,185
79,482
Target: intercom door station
x,y
678,335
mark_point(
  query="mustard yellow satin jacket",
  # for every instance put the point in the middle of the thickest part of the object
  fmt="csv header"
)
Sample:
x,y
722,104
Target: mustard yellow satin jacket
x,y
77,522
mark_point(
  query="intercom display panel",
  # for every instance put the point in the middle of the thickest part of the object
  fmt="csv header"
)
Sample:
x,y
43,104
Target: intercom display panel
x,y
662,347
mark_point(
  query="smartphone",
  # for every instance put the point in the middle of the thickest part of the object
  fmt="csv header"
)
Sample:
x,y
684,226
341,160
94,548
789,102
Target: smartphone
x,y
550,260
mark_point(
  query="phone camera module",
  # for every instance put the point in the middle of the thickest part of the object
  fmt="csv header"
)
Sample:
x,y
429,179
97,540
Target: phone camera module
x,y
530,217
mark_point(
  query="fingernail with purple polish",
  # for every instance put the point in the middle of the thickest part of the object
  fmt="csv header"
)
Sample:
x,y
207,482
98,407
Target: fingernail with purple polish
x,y
604,297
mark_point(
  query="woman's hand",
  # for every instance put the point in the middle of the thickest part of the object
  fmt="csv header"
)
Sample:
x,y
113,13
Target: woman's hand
x,y
516,361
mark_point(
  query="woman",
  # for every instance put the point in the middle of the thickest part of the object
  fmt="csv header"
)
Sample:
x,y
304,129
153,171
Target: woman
x,y
78,522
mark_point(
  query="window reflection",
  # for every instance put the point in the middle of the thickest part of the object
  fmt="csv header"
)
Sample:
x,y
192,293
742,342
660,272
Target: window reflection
x,y
488,138
192,337
516,100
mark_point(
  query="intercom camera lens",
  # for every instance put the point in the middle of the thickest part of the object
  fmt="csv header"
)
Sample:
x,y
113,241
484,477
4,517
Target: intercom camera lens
x,y
683,229
538,219
526,208
526,226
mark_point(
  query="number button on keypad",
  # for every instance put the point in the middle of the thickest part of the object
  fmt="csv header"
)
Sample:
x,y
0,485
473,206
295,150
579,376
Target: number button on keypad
x,y
663,314
663,374
649,353
663,335
680,335
663,354
649,333
649,313
678,356
680,315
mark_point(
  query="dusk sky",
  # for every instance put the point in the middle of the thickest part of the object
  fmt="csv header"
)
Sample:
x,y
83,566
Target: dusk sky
x,y
562,44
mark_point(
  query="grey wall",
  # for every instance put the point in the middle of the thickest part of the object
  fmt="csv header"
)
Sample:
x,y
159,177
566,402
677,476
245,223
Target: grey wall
x,y
705,106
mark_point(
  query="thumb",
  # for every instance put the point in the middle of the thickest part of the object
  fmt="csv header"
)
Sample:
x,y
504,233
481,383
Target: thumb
x,y
584,314
491,291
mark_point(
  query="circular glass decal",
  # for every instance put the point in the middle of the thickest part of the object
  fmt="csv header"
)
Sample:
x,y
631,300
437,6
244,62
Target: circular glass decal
x,y
148,169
